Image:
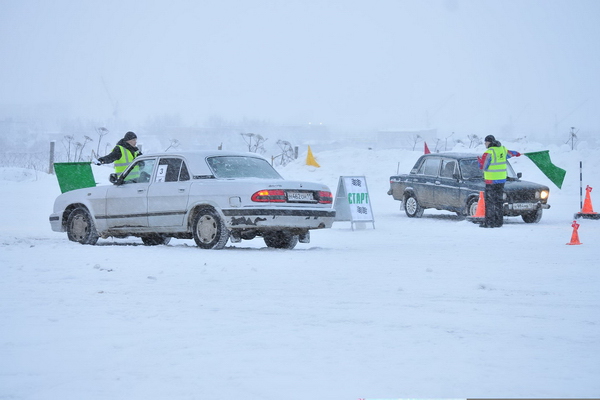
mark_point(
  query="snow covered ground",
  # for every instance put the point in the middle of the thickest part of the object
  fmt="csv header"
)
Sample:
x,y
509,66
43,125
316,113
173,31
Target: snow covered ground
x,y
430,307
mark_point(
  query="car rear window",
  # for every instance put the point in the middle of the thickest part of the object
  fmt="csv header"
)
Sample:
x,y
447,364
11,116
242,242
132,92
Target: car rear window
x,y
430,166
230,167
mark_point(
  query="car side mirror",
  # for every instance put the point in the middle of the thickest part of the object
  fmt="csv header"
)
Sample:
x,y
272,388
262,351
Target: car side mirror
x,y
114,179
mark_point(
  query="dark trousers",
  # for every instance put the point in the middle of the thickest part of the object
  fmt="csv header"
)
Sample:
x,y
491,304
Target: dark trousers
x,y
494,213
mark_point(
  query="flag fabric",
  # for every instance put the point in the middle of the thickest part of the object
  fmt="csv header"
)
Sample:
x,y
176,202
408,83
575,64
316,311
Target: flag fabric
x,y
426,148
310,159
542,160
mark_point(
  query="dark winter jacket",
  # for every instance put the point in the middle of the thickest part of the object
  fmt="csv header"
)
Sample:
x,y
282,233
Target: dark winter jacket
x,y
115,154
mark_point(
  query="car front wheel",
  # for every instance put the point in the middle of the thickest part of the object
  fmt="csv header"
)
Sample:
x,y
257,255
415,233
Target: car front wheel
x,y
209,229
533,217
80,227
412,207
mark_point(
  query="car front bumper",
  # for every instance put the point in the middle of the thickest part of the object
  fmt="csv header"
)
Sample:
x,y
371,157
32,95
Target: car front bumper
x,y
56,223
521,208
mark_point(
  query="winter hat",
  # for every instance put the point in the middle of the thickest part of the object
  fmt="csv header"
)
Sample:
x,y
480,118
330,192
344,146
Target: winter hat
x,y
129,135
490,138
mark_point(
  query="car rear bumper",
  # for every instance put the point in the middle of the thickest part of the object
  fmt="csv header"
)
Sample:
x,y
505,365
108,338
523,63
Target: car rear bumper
x,y
279,218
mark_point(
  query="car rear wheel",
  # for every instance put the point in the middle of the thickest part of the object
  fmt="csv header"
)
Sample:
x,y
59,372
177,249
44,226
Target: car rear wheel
x,y
209,229
281,240
533,217
156,239
472,207
80,227
412,207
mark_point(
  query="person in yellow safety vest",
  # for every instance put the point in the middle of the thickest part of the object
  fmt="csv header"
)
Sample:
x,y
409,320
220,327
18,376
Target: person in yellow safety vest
x,y
493,164
123,154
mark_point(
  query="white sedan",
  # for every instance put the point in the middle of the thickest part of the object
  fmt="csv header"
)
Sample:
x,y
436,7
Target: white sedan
x,y
210,196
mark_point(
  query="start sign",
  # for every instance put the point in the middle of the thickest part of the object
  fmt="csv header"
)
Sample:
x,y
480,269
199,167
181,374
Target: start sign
x,y
352,202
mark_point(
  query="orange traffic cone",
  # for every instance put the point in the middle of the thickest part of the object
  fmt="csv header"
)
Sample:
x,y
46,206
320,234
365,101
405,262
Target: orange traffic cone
x,y
587,211
574,235
587,203
480,212
479,215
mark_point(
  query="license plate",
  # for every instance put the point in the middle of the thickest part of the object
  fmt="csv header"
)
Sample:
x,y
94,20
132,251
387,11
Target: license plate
x,y
300,196
524,206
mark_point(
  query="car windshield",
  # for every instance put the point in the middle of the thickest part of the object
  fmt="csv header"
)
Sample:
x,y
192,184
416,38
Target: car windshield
x,y
470,169
229,167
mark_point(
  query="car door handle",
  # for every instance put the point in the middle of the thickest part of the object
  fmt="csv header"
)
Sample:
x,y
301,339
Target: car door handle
x,y
438,182
140,190
181,190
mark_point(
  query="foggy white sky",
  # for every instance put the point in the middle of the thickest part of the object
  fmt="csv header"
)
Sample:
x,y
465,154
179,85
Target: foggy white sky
x,y
503,67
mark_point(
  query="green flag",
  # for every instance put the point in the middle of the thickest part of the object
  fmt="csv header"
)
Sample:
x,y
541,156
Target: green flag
x,y
542,160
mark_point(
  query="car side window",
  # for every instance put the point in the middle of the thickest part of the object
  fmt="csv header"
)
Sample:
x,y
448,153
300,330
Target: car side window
x,y
184,175
448,168
430,166
172,170
140,172
470,169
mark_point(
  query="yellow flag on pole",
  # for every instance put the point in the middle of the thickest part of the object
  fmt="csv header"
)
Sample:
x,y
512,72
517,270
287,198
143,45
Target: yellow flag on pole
x,y
310,159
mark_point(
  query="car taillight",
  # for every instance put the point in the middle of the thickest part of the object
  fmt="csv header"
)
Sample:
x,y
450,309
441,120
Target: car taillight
x,y
325,197
269,196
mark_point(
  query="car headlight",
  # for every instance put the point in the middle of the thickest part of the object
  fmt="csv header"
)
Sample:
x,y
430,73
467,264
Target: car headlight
x,y
543,194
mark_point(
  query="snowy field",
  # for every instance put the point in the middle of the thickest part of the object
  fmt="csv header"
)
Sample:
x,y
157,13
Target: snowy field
x,y
430,307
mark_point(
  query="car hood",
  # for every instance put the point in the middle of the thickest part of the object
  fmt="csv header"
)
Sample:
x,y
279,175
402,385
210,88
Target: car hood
x,y
523,185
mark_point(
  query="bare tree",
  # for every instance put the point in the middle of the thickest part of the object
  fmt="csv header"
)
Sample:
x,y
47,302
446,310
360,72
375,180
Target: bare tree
x,y
78,146
474,140
573,138
415,139
87,139
101,133
174,144
287,152
255,142
69,139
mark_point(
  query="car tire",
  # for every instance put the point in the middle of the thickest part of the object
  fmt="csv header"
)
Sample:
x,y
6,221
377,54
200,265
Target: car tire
x,y
281,240
209,229
412,207
156,239
533,217
472,206
81,228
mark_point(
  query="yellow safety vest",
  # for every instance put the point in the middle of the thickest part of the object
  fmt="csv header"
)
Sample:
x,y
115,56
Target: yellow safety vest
x,y
126,159
497,168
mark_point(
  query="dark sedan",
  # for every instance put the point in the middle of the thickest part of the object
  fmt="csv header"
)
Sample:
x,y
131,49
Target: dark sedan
x,y
452,181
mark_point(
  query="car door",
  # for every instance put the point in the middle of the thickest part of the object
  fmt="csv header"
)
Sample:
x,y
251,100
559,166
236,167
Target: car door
x,y
168,194
423,182
447,195
127,203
